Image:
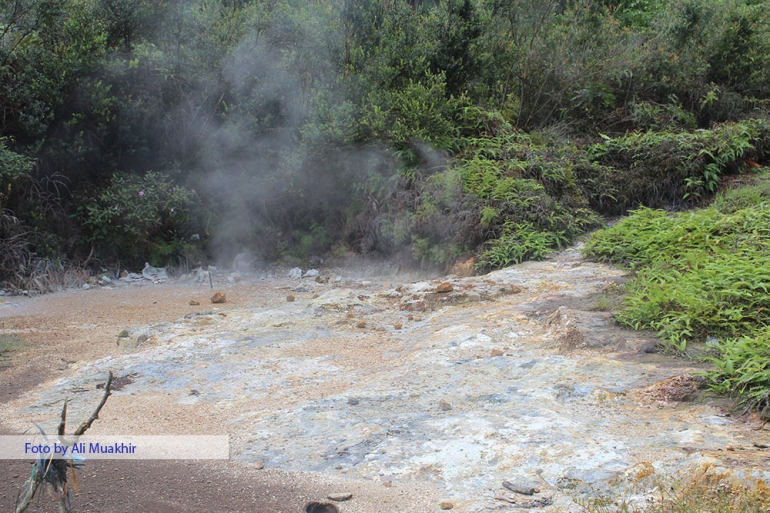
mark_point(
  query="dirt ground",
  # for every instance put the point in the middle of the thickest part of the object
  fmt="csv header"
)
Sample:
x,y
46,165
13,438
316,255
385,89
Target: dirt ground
x,y
81,325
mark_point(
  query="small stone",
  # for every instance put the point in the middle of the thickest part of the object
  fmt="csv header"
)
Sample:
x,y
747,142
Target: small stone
x,y
311,273
194,392
290,298
445,287
444,405
352,401
523,489
496,352
123,334
361,324
124,274
398,325
339,497
219,297
387,484
295,273
259,465
194,302
446,505
301,289
86,286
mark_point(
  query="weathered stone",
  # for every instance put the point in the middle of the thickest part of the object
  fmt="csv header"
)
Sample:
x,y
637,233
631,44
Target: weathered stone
x,y
295,273
444,405
444,287
339,497
290,298
446,505
219,297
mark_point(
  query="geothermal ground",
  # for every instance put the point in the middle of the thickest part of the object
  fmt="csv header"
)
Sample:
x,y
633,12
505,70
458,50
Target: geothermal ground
x,y
406,393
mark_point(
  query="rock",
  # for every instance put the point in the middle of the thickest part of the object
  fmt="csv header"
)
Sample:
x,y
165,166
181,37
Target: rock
x,y
446,505
86,286
105,280
235,277
194,302
361,324
522,488
322,279
397,325
295,273
202,276
310,273
301,289
320,507
259,465
444,405
337,299
445,287
219,297
290,298
154,273
496,352
352,401
339,497
124,274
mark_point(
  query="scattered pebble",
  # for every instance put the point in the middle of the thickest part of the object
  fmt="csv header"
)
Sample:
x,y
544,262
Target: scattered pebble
x,y
339,497
219,297
361,324
496,352
444,405
446,505
445,287
397,325
290,298
194,302
352,401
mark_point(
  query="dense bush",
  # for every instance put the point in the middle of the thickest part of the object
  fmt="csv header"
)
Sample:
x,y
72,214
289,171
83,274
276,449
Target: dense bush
x,y
145,218
703,275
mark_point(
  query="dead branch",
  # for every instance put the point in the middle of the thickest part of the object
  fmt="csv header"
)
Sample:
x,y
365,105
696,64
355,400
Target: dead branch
x,y
54,471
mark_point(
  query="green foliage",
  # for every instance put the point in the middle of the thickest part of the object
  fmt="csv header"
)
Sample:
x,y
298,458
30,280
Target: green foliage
x,y
702,274
13,167
663,169
143,218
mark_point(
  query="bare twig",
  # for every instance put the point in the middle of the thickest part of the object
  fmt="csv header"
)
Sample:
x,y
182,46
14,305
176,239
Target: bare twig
x,y
54,472
87,424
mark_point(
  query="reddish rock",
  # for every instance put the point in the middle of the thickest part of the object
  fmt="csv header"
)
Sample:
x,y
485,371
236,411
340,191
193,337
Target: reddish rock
x,y
496,352
219,297
445,287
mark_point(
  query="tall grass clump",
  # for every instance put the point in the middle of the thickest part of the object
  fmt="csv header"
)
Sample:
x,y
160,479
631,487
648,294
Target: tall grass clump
x,y
703,276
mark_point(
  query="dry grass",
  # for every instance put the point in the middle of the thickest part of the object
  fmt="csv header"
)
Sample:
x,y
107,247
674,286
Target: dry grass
x,y
700,492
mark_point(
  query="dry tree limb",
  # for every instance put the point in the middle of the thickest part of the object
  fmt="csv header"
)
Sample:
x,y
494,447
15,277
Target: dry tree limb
x,y
87,424
54,471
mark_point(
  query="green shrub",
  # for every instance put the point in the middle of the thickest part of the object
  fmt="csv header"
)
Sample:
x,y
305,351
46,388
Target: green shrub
x,y
143,218
703,275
